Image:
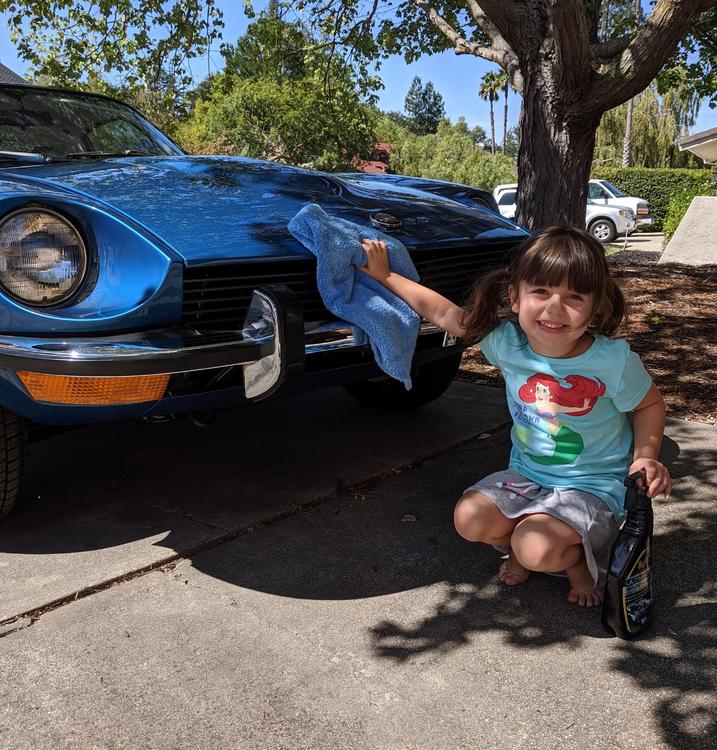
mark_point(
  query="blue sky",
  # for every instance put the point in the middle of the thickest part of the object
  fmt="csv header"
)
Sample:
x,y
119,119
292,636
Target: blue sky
x,y
455,77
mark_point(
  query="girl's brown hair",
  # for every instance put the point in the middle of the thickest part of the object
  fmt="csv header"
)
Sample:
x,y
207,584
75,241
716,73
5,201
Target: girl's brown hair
x,y
551,257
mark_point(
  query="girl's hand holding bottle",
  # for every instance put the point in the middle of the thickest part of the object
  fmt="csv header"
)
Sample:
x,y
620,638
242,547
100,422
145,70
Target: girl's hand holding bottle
x,y
656,476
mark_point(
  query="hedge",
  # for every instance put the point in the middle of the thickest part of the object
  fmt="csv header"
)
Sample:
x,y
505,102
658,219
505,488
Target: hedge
x,y
678,207
657,186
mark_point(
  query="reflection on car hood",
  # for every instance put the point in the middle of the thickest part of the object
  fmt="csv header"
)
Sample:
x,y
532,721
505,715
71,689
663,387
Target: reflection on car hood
x,y
215,208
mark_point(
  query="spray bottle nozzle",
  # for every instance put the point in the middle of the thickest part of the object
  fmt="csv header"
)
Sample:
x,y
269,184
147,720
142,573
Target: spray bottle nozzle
x,y
637,479
636,495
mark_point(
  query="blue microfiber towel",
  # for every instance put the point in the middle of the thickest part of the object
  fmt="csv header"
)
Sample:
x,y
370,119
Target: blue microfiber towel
x,y
378,316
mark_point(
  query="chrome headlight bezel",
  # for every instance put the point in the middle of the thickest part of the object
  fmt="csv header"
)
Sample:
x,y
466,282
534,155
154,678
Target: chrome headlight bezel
x,y
72,291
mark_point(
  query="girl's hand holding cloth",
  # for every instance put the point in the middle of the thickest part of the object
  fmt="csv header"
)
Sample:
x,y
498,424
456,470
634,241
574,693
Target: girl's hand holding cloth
x,y
378,316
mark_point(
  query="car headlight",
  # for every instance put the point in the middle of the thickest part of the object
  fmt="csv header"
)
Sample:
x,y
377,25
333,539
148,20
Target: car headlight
x,y
43,258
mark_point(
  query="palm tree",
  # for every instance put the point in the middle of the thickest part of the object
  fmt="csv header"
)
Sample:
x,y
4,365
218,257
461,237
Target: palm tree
x,y
627,140
627,160
490,86
505,85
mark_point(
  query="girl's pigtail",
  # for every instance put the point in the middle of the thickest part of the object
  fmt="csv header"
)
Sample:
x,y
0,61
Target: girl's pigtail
x,y
619,306
488,295
613,312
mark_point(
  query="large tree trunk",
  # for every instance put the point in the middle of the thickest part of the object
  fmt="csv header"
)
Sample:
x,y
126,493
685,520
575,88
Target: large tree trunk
x,y
551,51
556,150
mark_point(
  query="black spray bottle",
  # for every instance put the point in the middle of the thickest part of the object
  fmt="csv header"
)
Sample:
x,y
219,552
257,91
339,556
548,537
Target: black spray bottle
x,y
627,603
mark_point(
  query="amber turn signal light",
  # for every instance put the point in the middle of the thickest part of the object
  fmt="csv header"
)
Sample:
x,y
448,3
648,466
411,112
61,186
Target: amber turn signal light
x,y
75,389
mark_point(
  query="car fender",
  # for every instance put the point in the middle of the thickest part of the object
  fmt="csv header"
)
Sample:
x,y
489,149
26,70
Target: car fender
x,y
134,280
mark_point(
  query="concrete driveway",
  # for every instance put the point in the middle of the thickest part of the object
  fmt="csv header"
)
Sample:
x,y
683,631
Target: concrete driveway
x,y
290,578
651,242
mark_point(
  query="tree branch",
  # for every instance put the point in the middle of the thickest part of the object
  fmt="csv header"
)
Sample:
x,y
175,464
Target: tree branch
x,y
592,18
610,48
509,60
572,45
482,20
367,21
500,53
631,71
444,27
506,17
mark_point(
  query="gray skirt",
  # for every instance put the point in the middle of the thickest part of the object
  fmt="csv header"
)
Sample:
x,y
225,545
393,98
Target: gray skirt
x,y
516,495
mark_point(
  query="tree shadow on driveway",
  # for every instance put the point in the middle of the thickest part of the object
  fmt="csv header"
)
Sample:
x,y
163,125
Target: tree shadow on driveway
x,y
675,662
394,537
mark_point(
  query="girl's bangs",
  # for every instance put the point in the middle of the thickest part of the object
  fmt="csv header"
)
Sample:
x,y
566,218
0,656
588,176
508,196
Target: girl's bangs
x,y
554,267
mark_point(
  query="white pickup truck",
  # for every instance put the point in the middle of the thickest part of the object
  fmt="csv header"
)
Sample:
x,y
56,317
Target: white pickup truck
x,y
602,191
604,221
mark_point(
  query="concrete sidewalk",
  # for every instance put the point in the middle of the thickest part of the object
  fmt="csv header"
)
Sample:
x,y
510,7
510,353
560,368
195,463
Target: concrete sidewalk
x,y
354,617
649,242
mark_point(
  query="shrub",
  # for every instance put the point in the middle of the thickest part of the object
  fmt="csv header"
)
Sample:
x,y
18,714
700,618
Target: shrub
x,y
679,204
452,154
292,121
657,186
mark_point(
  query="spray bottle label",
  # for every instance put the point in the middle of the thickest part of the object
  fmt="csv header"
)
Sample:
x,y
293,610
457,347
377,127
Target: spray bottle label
x,y
637,592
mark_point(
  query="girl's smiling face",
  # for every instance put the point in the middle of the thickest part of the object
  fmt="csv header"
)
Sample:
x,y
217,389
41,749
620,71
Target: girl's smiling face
x,y
554,318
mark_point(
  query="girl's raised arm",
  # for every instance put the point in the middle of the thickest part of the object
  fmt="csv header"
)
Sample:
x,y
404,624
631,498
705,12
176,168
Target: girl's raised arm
x,y
428,304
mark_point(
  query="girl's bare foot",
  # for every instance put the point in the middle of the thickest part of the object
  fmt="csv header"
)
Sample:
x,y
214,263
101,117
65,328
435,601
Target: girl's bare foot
x,y
512,573
583,590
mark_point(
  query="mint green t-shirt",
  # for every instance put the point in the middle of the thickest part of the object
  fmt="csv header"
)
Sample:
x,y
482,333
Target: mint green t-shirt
x,y
570,426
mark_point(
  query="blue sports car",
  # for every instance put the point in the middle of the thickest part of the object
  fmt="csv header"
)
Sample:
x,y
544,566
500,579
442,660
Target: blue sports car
x,y
137,281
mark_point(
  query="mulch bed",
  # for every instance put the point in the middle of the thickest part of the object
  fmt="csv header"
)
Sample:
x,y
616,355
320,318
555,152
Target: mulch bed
x,y
672,325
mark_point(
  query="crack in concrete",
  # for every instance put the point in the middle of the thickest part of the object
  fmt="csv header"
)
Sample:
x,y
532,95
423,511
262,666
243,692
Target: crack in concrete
x,y
27,619
172,510
21,625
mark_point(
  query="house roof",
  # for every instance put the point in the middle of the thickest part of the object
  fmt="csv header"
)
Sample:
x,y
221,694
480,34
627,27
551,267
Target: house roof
x,y
702,144
372,167
7,76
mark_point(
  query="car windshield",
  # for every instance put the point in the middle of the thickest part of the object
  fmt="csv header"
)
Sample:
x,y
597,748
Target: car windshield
x,y
507,198
615,191
61,123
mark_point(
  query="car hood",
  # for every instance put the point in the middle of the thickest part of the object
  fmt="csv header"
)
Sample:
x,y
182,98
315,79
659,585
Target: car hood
x,y
210,209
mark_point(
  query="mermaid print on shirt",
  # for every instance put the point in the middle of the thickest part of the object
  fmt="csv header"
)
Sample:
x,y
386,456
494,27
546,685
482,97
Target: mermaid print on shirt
x,y
551,398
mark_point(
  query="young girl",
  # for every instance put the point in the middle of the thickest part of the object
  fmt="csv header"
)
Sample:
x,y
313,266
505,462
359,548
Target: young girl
x,y
569,388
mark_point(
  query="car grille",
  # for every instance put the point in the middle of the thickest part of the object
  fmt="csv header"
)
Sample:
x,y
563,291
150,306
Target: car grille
x,y
216,297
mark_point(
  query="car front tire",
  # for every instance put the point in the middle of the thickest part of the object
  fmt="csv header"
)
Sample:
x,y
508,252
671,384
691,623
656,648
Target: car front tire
x,y
430,380
12,451
603,230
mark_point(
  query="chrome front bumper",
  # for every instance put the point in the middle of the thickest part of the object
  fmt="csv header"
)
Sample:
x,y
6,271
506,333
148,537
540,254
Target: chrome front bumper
x,y
271,347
